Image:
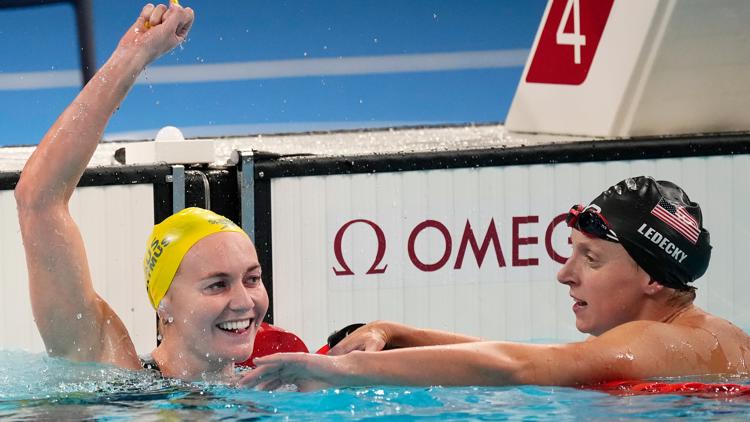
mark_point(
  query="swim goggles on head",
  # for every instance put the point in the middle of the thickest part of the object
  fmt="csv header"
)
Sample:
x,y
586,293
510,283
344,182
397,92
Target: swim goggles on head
x,y
590,221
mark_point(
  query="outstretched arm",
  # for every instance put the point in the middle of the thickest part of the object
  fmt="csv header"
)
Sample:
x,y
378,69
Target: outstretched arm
x,y
73,320
380,335
637,350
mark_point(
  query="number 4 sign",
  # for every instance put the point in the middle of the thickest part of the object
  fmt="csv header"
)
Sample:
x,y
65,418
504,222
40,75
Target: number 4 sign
x,y
568,41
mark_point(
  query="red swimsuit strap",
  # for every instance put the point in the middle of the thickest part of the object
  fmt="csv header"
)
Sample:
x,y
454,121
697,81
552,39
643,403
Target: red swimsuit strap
x,y
639,387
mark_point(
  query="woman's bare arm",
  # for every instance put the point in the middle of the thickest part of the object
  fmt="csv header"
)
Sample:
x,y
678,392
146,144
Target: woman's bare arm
x,y
74,321
637,350
380,335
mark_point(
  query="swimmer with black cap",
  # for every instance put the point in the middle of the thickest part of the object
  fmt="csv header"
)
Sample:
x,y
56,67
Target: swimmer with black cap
x,y
202,271
636,249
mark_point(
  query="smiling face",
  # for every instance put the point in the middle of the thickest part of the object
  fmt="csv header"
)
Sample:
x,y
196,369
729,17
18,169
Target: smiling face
x,y
216,299
608,288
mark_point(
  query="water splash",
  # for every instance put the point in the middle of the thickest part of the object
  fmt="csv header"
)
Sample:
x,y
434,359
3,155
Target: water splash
x,y
35,387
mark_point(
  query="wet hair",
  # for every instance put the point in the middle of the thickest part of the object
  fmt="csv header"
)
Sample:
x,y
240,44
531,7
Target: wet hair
x,y
681,297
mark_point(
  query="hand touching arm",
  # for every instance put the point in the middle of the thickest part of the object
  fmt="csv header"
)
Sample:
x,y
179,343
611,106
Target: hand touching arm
x,y
381,335
638,350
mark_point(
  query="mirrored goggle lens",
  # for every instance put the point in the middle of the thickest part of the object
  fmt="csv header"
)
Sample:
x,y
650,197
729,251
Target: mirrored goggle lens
x,y
590,222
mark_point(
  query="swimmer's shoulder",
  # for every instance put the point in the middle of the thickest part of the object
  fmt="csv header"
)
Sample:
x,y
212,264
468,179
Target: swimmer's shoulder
x,y
695,328
684,322
647,332
696,338
720,327
728,346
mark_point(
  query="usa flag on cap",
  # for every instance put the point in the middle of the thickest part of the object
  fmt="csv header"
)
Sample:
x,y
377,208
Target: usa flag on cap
x,y
677,217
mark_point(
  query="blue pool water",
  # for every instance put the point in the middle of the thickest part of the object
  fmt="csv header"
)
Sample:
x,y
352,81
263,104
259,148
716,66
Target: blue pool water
x,y
34,387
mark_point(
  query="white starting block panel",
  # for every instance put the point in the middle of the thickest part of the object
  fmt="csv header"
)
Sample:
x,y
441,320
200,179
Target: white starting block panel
x,y
625,68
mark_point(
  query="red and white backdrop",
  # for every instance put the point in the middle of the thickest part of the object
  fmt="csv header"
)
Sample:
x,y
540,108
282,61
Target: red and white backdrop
x,y
474,250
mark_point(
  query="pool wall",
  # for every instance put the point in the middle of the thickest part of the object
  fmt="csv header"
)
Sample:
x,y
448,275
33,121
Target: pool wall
x,y
114,208
462,237
473,240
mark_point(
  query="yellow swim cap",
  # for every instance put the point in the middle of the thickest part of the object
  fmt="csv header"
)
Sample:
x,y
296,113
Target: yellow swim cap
x,y
169,242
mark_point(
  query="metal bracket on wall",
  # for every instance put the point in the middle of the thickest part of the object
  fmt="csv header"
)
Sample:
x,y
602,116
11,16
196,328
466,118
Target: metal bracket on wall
x,y
178,188
206,188
246,175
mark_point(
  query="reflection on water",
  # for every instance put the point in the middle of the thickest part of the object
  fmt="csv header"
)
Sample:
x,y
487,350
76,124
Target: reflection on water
x,y
35,387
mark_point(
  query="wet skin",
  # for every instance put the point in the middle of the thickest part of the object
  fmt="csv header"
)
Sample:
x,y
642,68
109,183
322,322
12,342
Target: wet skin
x,y
608,288
218,282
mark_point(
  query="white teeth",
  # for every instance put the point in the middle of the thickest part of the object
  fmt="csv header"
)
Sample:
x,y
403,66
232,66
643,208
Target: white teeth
x,y
235,325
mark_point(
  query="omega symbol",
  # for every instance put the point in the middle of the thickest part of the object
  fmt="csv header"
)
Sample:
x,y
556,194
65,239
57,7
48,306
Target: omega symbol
x,y
340,256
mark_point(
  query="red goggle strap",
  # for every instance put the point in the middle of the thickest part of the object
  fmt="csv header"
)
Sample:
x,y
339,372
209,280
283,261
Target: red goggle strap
x,y
575,212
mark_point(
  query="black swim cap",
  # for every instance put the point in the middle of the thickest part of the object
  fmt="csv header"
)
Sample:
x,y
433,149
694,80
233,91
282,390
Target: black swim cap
x,y
659,227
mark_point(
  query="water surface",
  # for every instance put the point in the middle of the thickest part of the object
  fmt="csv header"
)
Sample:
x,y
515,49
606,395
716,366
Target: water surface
x,y
34,387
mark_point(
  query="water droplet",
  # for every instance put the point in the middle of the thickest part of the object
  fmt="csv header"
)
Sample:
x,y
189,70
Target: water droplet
x,y
305,54
434,16
361,101
375,40
627,356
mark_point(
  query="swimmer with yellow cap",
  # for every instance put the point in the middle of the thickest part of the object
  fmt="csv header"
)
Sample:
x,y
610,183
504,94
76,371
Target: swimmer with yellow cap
x,y
171,240
203,278
202,271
